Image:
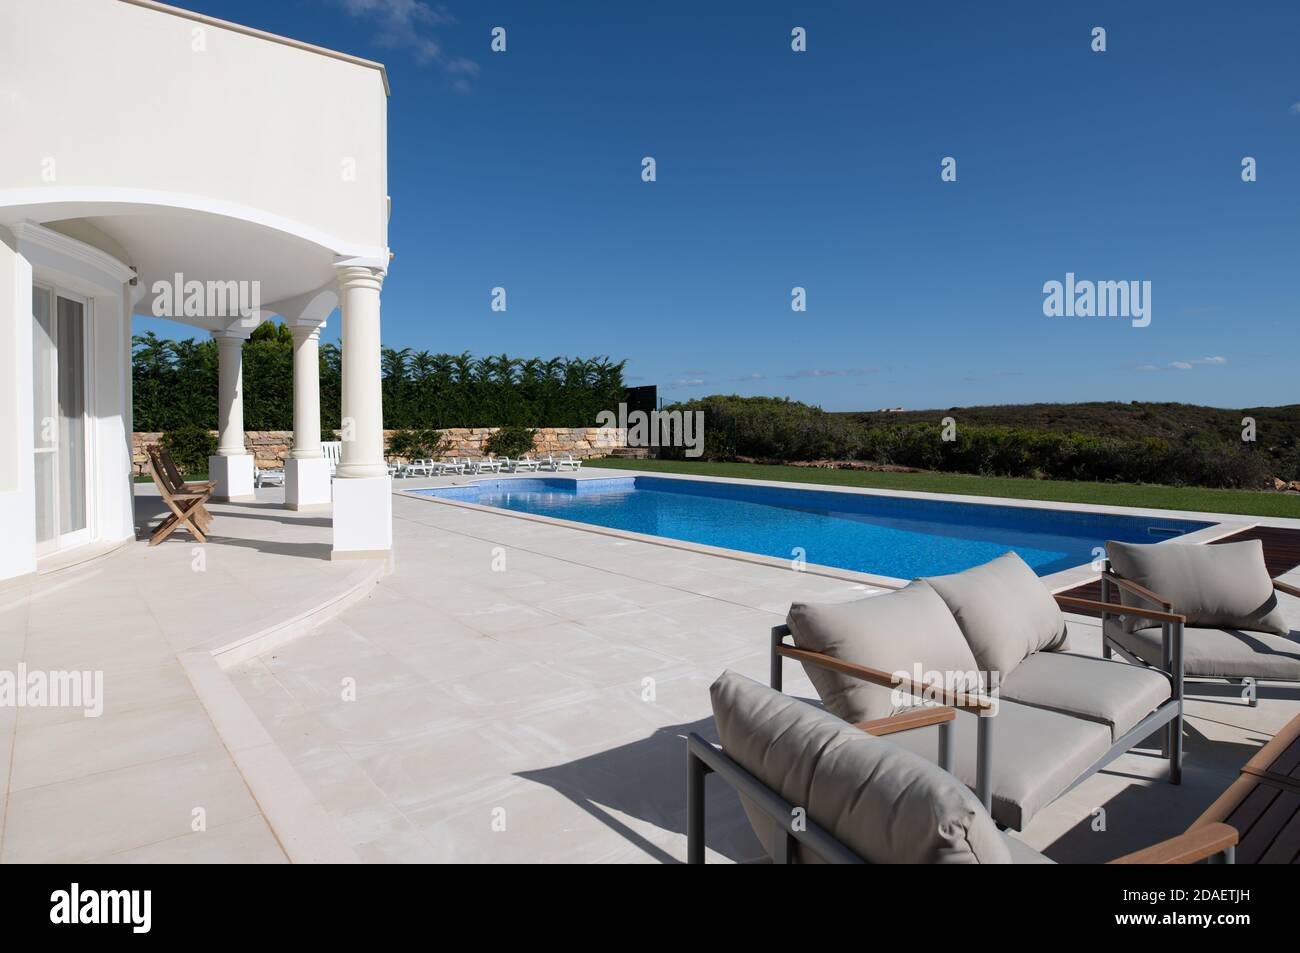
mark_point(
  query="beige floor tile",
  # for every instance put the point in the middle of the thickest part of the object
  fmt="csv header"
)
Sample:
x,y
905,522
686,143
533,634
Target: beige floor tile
x,y
248,841
89,817
48,754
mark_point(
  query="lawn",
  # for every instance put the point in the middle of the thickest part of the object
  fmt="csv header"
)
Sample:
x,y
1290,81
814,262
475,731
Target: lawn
x,y
196,477
1239,502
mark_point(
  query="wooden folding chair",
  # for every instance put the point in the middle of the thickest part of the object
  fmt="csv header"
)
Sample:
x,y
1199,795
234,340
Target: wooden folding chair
x,y
186,508
171,473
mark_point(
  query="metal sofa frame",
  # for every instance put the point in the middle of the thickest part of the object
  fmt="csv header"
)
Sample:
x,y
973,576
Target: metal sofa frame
x,y
1215,843
1168,716
1110,647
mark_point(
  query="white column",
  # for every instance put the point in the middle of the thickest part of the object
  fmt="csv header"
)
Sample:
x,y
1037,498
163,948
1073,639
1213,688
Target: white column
x,y
306,392
363,411
363,509
306,473
230,402
232,467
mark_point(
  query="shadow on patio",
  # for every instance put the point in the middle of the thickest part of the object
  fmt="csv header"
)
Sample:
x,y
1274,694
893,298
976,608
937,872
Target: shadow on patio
x,y
646,779
248,525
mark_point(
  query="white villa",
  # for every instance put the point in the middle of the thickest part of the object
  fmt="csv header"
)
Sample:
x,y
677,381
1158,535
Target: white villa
x,y
146,149
528,684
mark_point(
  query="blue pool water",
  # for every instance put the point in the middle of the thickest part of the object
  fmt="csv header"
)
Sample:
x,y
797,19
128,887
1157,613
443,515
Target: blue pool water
x,y
888,536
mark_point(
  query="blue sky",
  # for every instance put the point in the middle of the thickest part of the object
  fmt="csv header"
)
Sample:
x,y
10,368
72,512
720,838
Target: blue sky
x,y
821,169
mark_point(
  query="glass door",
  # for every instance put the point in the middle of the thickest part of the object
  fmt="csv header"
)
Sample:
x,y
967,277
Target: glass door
x,y
59,419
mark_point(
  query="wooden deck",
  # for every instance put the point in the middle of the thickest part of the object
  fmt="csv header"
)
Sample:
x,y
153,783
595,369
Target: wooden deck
x,y
1263,804
1281,554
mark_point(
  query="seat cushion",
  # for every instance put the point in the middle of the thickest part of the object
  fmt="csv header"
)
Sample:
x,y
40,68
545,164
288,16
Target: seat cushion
x,y
1219,653
1221,586
1037,754
1022,853
887,805
894,632
1110,693
1004,611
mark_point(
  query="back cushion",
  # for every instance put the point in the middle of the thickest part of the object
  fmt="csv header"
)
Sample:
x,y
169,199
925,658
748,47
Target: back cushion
x,y
886,804
1222,586
1004,611
892,633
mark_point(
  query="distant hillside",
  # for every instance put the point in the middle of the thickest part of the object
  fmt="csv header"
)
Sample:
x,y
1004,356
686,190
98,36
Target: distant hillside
x,y
1170,444
1277,428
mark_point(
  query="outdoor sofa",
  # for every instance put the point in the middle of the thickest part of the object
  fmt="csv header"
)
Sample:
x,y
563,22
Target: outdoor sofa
x,y
1235,629
1031,719
817,789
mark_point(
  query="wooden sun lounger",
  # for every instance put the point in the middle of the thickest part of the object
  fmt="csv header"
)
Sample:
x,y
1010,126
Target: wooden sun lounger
x,y
186,505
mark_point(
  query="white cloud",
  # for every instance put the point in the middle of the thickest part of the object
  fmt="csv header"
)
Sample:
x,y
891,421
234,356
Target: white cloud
x,y
1295,109
409,25
846,372
1183,365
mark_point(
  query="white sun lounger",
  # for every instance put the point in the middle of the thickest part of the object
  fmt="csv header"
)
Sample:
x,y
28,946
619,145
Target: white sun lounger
x,y
332,451
269,477
417,468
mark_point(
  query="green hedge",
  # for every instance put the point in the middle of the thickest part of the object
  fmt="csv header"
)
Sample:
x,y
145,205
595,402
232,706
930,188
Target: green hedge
x,y
190,447
175,385
782,430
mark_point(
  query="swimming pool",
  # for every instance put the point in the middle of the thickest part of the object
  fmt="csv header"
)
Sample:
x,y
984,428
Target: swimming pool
x,y
893,536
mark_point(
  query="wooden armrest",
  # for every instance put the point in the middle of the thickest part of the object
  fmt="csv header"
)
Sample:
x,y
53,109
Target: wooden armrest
x,y
1142,592
907,720
1115,608
1286,587
1187,848
963,701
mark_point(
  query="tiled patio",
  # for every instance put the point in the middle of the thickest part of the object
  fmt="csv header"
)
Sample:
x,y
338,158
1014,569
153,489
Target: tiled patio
x,y
534,711
124,786
511,691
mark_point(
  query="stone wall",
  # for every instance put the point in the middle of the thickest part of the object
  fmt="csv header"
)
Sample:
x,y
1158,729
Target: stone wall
x,y
270,447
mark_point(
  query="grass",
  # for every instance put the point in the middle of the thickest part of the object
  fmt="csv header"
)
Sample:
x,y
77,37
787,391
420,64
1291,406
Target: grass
x,y
1238,502
196,477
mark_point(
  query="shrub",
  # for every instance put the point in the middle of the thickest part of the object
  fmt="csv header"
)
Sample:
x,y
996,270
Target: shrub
x,y
190,447
510,442
773,429
416,444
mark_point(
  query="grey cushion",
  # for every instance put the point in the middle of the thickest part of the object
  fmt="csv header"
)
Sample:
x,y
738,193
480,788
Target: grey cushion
x,y
1004,611
1224,585
1218,652
1022,853
1115,694
1037,754
892,633
885,804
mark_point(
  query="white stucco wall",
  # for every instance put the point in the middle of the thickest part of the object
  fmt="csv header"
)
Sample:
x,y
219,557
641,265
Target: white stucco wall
x,y
17,504
110,94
